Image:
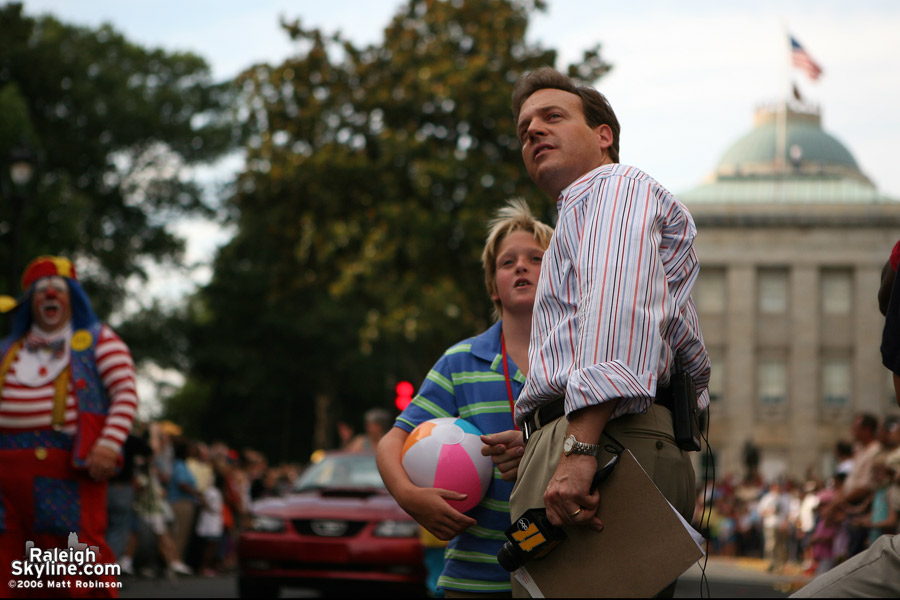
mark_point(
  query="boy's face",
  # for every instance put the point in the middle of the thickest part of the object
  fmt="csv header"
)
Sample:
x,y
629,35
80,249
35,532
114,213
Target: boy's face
x,y
518,268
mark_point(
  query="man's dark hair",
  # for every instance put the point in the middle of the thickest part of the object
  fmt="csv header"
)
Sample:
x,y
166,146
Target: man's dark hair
x,y
181,448
868,421
596,108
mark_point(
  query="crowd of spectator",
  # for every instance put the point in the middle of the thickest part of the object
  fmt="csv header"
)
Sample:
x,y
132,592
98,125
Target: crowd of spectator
x,y
178,504
813,523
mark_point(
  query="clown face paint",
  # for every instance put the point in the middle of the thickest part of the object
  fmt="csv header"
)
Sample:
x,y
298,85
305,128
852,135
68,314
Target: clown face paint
x,y
50,305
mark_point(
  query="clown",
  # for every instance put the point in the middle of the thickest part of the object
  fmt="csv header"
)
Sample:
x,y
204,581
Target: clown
x,y
67,403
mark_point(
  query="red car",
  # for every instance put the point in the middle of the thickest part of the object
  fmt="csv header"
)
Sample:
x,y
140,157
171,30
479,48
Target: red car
x,y
340,532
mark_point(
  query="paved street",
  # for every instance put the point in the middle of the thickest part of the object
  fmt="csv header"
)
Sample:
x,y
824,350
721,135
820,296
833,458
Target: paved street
x,y
739,578
727,578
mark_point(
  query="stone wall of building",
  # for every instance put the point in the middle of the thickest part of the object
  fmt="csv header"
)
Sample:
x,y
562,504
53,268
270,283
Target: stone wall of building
x,y
788,309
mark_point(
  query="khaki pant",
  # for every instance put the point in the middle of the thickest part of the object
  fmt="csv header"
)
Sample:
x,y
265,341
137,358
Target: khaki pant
x,y
648,436
874,573
182,529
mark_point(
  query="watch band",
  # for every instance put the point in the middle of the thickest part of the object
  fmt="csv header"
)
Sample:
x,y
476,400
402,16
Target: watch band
x,y
573,446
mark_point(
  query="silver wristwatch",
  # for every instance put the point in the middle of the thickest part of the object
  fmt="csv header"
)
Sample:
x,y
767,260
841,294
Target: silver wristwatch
x,y
573,446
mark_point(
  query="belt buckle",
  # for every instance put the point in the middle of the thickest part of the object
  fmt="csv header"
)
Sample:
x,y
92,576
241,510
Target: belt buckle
x,y
532,423
526,430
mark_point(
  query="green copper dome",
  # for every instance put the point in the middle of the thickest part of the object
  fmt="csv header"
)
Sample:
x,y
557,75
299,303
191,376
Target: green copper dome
x,y
805,141
786,157
804,131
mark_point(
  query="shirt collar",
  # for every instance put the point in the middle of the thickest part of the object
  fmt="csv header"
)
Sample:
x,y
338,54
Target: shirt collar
x,y
486,345
564,194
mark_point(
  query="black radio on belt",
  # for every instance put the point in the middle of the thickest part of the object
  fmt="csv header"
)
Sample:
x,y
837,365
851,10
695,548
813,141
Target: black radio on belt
x,y
683,404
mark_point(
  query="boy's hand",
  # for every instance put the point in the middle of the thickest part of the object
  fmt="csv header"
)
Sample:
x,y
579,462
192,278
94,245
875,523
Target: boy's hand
x,y
505,449
429,507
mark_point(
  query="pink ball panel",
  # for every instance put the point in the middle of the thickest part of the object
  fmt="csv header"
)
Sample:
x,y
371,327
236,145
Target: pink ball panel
x,y
456,472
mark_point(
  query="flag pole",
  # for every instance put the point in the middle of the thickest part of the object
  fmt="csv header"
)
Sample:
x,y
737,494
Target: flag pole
x,y
781,129
781,126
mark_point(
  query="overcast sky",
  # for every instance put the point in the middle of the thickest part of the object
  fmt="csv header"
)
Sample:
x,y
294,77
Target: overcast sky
x,y
687,75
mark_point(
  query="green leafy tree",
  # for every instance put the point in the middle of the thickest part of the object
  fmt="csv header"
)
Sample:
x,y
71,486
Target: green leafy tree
x,y
361,217
116,128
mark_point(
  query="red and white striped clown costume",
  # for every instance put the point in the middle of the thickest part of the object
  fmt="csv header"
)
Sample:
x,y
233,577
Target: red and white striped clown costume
x,y
67,402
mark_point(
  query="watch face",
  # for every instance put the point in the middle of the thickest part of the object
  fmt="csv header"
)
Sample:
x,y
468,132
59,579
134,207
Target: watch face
x,y
569,444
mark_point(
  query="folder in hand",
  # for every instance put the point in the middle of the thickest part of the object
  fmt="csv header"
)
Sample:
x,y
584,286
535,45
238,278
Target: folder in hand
x,y
644,546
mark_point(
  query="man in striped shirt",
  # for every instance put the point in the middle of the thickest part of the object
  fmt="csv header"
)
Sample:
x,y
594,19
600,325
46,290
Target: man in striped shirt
x,y
612,311
67,403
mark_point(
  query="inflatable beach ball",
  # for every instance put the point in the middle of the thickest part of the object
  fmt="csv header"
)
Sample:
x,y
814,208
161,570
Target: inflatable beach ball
x,y
446,453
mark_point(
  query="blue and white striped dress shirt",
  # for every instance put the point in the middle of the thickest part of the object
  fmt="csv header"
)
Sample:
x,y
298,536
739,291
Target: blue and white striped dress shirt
x,y
614,297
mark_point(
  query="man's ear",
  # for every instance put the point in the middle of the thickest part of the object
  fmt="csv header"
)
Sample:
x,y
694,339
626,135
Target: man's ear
x,y
604,136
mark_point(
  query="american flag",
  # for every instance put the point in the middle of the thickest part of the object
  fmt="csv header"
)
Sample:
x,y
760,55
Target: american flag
x,y
803,61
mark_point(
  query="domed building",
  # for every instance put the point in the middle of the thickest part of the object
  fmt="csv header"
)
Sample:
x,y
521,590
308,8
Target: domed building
x,y
792,238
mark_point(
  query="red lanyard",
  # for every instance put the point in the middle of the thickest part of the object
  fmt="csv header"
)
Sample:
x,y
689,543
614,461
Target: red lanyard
x,y
512,401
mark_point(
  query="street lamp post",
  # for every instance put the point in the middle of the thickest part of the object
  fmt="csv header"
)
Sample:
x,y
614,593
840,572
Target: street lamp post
x,y
17,180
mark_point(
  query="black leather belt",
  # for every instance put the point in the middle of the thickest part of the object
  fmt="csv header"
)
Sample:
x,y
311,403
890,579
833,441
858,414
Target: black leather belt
x,y
664,397
551,411
542,415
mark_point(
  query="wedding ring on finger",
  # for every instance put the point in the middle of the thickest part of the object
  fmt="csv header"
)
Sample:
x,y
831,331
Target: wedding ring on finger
x,y
577,512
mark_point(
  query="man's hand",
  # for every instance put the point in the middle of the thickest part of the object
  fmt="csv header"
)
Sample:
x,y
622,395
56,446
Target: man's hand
x,y
429,507
101,463
568,498
505,449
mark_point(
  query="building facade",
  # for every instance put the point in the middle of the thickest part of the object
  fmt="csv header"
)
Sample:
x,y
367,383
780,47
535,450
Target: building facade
x,y
792,239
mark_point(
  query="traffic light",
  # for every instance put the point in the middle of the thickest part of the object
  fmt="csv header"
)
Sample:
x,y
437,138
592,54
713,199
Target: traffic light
x,y
404,391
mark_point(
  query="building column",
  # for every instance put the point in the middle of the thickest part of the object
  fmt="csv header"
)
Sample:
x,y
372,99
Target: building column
x,y
803,373
870,377
740,367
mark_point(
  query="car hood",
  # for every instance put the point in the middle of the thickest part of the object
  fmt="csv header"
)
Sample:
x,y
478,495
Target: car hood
x,y
357,504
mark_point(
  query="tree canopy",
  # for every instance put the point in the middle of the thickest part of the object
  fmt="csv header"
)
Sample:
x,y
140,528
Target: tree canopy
x,y
360,216
114,127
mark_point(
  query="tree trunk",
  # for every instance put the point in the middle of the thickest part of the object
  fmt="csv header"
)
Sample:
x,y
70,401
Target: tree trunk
x,y
322,434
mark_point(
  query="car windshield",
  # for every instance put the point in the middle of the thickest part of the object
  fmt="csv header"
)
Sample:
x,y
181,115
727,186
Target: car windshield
x,y
341,471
